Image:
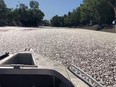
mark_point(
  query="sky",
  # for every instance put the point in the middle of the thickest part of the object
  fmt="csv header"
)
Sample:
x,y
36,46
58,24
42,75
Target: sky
x,y
49,7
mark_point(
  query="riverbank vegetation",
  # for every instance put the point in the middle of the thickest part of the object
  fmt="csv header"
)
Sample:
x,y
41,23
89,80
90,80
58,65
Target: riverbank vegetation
x,y
90,12
22,15
99,13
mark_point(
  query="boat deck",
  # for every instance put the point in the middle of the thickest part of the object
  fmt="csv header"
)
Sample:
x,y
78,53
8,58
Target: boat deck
x,y
35,61
50,64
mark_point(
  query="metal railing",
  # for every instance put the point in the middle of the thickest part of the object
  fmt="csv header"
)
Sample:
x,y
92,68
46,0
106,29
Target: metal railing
x,y
84,77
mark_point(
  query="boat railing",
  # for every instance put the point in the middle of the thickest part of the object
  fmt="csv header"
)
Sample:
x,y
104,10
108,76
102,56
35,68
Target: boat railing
x,y
84,76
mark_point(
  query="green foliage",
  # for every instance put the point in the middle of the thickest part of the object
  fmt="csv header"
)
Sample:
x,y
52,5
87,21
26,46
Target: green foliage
x,y
3,13
90,12
34,4
31,16
22,15
57,21
46,23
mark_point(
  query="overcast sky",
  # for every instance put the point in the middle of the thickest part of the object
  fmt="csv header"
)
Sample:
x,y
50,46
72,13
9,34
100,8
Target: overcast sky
x,y
50,7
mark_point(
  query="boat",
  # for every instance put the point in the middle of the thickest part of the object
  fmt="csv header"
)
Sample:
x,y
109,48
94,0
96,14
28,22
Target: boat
x,y
28,69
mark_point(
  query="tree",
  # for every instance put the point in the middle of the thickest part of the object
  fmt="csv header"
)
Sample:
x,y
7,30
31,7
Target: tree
x,y
28,16
57,21
46,23
97,11
35,14
3,13
90,12
112,4
34,5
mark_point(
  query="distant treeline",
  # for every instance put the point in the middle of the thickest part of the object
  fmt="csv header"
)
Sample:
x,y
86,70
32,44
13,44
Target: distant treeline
x,y
90,12
22,15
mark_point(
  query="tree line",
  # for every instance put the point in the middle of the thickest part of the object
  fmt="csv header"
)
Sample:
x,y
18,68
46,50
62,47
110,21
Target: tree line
x,y
90,12
22,15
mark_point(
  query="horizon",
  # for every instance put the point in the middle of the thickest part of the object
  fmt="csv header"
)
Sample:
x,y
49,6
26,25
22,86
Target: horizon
x,y
55,7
